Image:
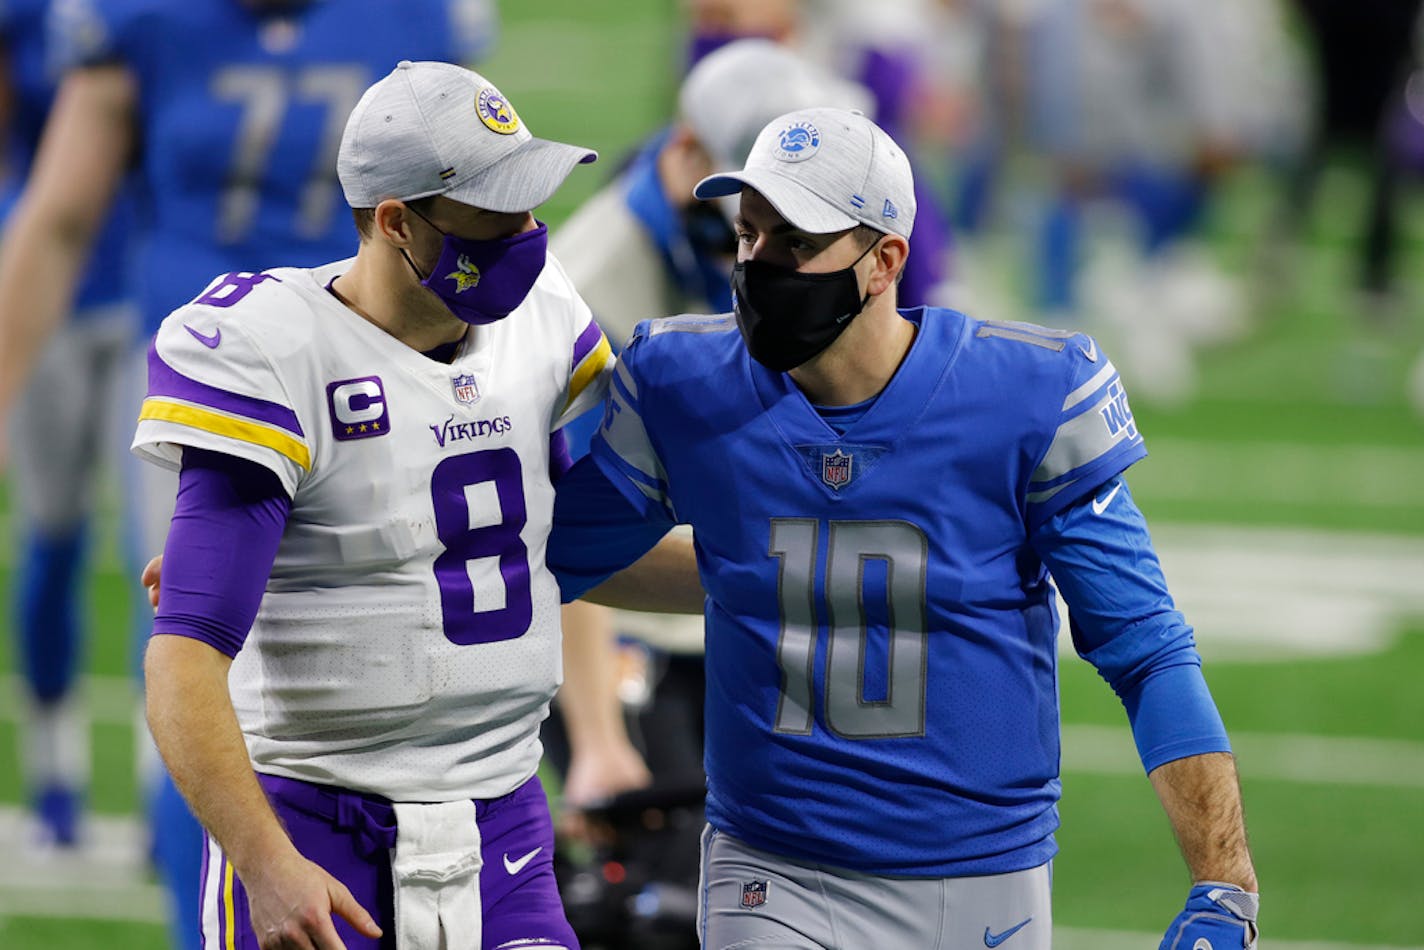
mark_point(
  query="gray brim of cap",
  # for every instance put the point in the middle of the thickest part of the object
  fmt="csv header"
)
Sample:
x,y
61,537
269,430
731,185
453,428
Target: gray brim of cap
x,y
522,180
792,200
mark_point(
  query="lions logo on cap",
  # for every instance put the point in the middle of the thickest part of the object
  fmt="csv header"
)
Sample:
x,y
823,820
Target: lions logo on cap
x,y
796,143
496,112
466,275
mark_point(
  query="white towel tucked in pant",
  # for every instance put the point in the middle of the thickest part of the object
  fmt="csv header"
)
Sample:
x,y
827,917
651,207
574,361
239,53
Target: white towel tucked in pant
x,y
436,866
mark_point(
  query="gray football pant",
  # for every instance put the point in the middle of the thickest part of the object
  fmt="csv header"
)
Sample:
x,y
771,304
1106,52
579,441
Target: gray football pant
x,y
69,423
754,899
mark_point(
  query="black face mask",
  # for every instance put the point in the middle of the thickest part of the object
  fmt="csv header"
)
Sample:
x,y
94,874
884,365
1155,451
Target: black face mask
x,y
787,317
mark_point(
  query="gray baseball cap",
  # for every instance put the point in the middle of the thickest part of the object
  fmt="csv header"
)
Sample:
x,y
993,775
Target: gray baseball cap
x,y
439,129
826,170
738,88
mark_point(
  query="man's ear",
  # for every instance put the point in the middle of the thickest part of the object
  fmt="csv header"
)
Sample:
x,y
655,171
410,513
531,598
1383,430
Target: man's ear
x,y
392,220
890,259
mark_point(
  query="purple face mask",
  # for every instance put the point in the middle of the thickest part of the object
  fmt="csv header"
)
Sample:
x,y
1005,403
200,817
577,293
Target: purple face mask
x,y
482,281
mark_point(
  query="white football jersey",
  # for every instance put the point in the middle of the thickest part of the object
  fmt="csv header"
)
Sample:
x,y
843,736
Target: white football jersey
x,y
408,641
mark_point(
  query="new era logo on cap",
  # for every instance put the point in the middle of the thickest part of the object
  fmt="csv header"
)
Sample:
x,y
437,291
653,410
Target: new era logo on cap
x,y
439,129
826,170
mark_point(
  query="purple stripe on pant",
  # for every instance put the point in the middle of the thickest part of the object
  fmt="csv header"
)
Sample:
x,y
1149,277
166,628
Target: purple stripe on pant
x,y
350,834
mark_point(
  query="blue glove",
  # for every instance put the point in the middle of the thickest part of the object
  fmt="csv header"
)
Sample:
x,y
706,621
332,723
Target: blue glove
x,y
1217,917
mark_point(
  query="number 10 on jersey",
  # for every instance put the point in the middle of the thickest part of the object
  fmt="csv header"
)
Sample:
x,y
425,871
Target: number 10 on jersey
x,y
837,594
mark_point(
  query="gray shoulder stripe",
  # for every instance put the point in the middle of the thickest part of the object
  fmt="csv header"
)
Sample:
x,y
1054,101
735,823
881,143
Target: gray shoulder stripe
x,y
620,369
1100,379
691,324
1007,333
1033,328
1080,441
1039,497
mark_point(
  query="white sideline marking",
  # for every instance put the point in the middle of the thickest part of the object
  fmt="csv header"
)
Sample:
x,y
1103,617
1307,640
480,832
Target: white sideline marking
x,y
110,700
1080,938
106,879
1303,759
1329,760
1273,473
1274,594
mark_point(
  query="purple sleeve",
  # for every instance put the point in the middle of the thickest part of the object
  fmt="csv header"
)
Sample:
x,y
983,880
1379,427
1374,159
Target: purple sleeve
x,y
560,458
228,522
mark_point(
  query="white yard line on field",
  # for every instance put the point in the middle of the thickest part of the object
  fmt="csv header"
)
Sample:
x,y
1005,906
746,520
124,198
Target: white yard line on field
x,y
1274,594
1330,760
1079,938
1309,760
1273,473
107,879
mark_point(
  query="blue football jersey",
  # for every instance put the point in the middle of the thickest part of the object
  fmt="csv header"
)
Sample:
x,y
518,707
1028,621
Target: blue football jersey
x,y
241,115
33,75
881,659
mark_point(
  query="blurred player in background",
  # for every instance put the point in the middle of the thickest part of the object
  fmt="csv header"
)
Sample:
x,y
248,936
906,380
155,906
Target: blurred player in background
x,y
715,23
883,47
1363,55
231,112
1130,113
643,245
61,430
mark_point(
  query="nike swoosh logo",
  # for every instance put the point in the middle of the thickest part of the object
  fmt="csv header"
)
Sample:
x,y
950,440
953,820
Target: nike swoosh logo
x,y
1091,352
514,867
1100,505
211,342
994,939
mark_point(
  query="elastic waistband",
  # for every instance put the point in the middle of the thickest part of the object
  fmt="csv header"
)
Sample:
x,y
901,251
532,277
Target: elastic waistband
x,y
371,817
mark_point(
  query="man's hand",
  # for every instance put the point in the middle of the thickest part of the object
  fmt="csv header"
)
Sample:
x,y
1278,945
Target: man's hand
x,y
1217,917
595,775
292,901
592,777
149,579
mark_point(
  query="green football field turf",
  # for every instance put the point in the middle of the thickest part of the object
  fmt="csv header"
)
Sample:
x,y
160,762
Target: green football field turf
x,y
1301,426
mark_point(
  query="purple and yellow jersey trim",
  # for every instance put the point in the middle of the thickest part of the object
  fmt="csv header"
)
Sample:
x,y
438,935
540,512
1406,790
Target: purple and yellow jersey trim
x,y
181,400
592,354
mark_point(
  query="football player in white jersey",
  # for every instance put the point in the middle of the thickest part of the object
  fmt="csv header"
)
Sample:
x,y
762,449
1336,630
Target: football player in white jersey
x,y
355,599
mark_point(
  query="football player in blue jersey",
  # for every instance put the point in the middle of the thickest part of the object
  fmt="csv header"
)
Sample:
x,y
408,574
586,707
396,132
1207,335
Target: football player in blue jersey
x,y
62,425
884,501
230,112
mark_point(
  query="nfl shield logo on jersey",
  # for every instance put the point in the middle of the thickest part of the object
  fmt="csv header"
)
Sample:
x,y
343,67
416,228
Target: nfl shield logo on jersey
x,y
466,389
753,894
836,469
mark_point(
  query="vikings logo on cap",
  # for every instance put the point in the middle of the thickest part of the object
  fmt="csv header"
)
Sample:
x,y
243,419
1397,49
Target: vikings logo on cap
x,y
466,275
496,112
798,142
